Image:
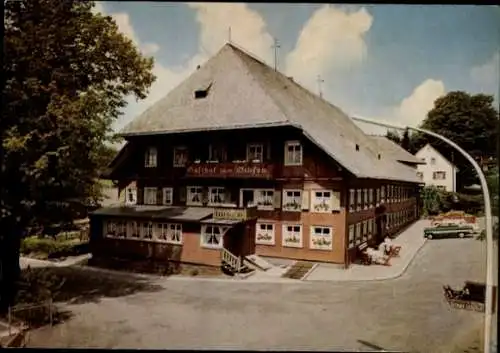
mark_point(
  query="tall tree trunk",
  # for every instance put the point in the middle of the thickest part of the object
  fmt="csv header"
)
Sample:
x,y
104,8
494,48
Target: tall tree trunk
x,y
10,244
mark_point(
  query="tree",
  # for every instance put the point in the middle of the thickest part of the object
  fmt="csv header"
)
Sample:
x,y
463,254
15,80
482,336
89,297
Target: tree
x,y
394,136
67,73
471,121
406,142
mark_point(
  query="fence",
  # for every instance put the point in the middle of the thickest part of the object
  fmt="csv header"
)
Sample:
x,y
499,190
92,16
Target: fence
x,y
24,316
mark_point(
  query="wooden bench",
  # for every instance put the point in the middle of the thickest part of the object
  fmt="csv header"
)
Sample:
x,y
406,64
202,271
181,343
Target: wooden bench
x,y
363,257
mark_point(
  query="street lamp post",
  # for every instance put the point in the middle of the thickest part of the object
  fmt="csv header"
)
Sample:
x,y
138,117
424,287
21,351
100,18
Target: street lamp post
x,y
488,316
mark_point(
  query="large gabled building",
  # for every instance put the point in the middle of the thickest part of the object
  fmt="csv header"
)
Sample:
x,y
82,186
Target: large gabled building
x,y
240,159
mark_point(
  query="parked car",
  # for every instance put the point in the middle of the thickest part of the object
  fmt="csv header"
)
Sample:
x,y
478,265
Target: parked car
x,y
448,230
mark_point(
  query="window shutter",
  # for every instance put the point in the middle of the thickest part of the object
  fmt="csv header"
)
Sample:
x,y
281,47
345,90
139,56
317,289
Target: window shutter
x,y
305,199
204,197
122,195
159,196
140,196
182,194
335,200
277,199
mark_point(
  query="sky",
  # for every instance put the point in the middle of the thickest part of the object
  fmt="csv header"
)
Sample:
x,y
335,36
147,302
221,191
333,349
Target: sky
x,y
387,62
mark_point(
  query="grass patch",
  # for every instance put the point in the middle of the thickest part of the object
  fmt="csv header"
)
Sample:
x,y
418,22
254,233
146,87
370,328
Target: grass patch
x,y
49,248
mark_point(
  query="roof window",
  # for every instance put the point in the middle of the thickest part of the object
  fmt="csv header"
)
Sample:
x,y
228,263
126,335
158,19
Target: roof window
x,y
357,147
202,93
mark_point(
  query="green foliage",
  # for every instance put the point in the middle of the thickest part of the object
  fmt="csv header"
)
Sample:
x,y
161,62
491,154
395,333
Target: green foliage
x,y
394,136
67,73
431,200
45,246
471,121
492,180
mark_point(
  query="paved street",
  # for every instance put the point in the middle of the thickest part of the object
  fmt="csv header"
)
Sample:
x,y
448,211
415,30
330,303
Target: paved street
x,y
407,313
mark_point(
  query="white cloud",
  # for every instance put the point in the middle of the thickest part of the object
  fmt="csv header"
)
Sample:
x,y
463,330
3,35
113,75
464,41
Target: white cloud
x,y
487,75
332,39
414,108
248,28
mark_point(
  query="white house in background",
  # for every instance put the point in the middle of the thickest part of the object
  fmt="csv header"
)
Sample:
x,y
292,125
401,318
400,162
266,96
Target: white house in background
x,y
437,170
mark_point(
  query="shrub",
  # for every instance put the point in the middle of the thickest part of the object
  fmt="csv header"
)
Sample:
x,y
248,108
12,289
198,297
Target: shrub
x,y
47,246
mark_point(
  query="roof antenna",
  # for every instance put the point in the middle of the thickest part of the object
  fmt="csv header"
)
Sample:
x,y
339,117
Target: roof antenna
x,y
229,35
276,46
320,81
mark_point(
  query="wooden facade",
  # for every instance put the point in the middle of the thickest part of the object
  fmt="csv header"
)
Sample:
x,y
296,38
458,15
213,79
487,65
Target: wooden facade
x,y
314,223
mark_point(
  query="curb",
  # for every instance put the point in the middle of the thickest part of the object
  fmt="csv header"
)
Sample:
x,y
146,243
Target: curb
x,y
309,272
378,279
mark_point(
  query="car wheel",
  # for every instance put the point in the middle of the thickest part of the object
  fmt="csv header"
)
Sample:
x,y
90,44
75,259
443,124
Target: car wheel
x,y
461,235
429,236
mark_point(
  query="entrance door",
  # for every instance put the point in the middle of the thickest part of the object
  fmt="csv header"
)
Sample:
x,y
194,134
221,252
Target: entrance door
x,y
248,197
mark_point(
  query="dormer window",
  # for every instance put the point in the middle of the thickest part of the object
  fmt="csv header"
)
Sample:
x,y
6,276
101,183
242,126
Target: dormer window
x,y
357,147
202,93
293,153
150,157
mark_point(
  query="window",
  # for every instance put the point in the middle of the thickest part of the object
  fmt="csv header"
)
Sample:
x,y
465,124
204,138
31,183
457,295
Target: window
x,y
217,196
292,236
217,153
322,201
211,236
358,234
170,233
292,200
370,197
351,235
352,199
265,199
439,175
377,197
134,229
382,194
365,230
150,157
150,196
293,153
194,195
365,197
359,199
180,156
111,229
255,152
433,161
420,175
264,233
131,196
370,228
168,196
121,229
321,238
147,230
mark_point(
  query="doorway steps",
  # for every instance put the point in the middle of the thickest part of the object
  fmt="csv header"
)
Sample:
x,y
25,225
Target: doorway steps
x,y
298,270
257,262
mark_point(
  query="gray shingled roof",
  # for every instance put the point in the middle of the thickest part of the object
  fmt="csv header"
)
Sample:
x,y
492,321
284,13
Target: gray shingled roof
x,y
247,93
396,151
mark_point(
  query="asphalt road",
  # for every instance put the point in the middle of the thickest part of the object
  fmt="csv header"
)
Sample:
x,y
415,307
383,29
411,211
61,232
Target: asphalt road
x,y
408,313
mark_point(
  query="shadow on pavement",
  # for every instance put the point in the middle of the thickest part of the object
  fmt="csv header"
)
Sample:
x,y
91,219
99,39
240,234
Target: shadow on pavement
x,y
76,285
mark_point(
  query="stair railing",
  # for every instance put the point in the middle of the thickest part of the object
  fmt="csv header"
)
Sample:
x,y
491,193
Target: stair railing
x,y
231,259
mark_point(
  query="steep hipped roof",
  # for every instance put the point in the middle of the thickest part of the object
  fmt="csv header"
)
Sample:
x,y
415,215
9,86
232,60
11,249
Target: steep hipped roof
x,y
244,92
398,153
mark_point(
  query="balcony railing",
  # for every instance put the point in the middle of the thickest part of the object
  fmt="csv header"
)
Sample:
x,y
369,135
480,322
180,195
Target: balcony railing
x,y
236,214
231,170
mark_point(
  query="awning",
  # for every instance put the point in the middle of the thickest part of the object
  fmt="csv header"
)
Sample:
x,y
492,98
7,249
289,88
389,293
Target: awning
x,y
193,214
